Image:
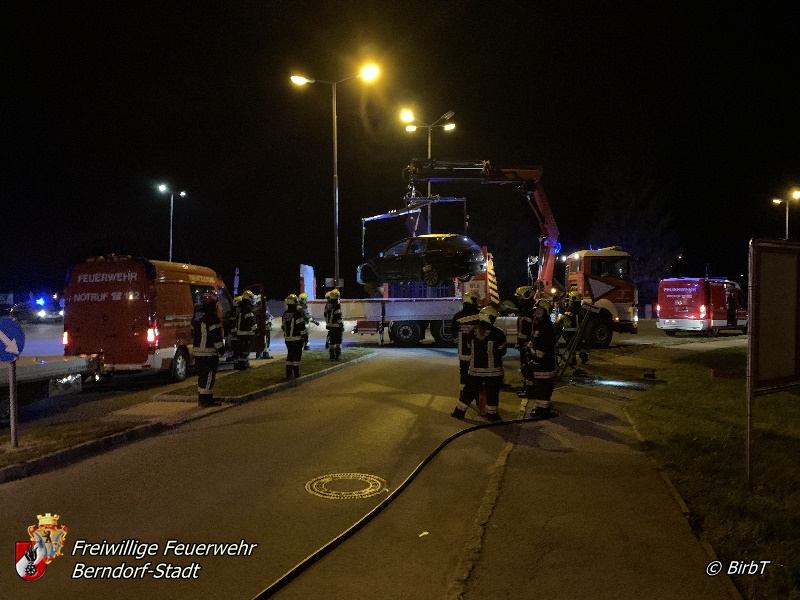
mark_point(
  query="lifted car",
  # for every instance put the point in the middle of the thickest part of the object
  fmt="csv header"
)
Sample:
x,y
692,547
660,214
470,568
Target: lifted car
x,y
430,258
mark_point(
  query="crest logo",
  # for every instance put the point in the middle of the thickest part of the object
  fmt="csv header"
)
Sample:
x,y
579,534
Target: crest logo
x,y
46,541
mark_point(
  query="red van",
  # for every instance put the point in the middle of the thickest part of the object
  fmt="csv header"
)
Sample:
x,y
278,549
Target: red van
x,y
136,314
700,304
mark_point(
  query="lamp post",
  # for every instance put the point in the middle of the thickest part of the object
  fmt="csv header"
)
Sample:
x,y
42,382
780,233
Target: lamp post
x,y
164,189
795,196
409,118
368,73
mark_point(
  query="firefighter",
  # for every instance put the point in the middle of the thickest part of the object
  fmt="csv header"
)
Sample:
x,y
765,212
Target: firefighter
x,y
244,330
293,324
463,322
303,299
540,371
334,325
207,347
524,297
487,348
570,320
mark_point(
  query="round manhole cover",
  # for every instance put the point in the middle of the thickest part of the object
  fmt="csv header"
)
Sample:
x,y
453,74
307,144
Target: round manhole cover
x,y
346,486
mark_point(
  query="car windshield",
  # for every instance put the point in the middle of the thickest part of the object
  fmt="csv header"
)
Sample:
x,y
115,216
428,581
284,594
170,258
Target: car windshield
x,y
416,246
395,250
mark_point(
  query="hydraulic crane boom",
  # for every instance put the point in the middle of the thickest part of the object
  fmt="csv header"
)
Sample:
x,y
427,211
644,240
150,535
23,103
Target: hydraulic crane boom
x,y
481,171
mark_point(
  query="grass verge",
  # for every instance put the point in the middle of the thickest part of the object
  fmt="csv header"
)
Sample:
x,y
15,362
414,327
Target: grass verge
x,y
694,426
36,442
240,383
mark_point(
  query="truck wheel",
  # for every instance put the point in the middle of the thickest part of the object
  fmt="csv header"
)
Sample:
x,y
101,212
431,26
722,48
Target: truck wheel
x,y
599,333
670,332
405,333
443,333
180,366
430,276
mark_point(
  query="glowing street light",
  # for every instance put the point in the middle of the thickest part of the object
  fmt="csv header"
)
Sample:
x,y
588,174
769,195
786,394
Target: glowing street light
x,y
795,196
368,73
164,189
409,118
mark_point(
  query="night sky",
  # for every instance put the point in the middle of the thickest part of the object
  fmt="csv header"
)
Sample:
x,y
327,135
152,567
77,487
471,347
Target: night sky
x,y
108,101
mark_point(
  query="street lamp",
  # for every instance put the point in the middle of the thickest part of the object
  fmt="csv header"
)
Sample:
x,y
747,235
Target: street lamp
x,y
164,189
795,196
368,73
409,118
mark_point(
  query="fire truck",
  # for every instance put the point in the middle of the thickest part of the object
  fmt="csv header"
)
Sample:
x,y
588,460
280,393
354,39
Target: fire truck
x,y
603,277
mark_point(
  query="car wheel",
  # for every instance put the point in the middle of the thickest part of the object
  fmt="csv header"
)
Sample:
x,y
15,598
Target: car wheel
x,y
670,332
180,366
430,276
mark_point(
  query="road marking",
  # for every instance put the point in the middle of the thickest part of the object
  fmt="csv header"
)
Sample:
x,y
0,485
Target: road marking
x,y
319,486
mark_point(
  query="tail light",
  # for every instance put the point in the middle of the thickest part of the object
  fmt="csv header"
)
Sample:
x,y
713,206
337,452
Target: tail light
x,y
658,308
152,335
702,311
65,338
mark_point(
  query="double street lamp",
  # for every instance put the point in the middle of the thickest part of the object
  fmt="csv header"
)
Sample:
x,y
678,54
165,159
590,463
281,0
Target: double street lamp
x,y
368,73
164,189
795,196
409,118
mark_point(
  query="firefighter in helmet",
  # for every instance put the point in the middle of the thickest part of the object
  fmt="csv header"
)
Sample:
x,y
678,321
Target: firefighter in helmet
x,y
524,296
303,300
293,324
463,323
244,331
334,325
540,372
207,347
487,348
567,324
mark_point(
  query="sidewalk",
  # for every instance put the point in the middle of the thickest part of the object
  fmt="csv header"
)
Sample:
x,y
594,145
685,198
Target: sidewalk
x,y
557,524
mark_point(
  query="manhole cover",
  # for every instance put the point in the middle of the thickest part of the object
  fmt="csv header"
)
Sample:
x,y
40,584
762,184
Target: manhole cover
x,y
346,486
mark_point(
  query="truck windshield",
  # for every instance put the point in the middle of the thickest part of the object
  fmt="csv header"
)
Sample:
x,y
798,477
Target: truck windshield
x,y
612,267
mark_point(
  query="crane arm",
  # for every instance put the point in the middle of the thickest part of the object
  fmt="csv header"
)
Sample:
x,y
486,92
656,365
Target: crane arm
x,y
481,171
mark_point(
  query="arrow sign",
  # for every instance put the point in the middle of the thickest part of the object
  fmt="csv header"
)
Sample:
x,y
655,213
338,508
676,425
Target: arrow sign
x,y
12,340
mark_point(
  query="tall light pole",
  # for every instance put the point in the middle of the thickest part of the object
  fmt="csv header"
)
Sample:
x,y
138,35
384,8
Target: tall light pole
x,y
368,73
164,189
795,196
409,118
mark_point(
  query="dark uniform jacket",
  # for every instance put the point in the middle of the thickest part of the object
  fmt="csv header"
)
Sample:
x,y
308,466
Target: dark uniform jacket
x,y
207,331
488,346
333,315
293,324
245,321
543,348
464,321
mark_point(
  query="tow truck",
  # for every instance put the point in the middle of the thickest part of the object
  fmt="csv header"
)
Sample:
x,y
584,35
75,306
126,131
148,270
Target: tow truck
x,y
602,277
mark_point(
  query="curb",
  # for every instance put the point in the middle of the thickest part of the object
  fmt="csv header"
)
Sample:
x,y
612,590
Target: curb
x,y
75,453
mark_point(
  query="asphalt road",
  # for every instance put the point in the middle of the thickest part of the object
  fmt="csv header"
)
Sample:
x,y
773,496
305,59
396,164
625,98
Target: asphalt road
x,y
242,475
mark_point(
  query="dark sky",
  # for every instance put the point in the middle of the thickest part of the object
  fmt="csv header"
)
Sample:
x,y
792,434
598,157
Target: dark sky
x,y
108,101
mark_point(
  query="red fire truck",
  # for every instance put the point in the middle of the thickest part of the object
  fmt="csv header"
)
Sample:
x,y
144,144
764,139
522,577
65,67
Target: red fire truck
x,y
700,304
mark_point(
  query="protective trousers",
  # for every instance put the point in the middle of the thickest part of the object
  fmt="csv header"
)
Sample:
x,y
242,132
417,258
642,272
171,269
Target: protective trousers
x,y
473,388
335,342
294,352
206,374
241,351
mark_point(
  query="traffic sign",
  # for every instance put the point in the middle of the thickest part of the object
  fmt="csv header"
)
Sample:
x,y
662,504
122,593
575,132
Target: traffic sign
x,y
12,340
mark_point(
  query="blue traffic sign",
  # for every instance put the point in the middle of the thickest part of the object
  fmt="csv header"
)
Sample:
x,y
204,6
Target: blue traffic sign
x,y
12,340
